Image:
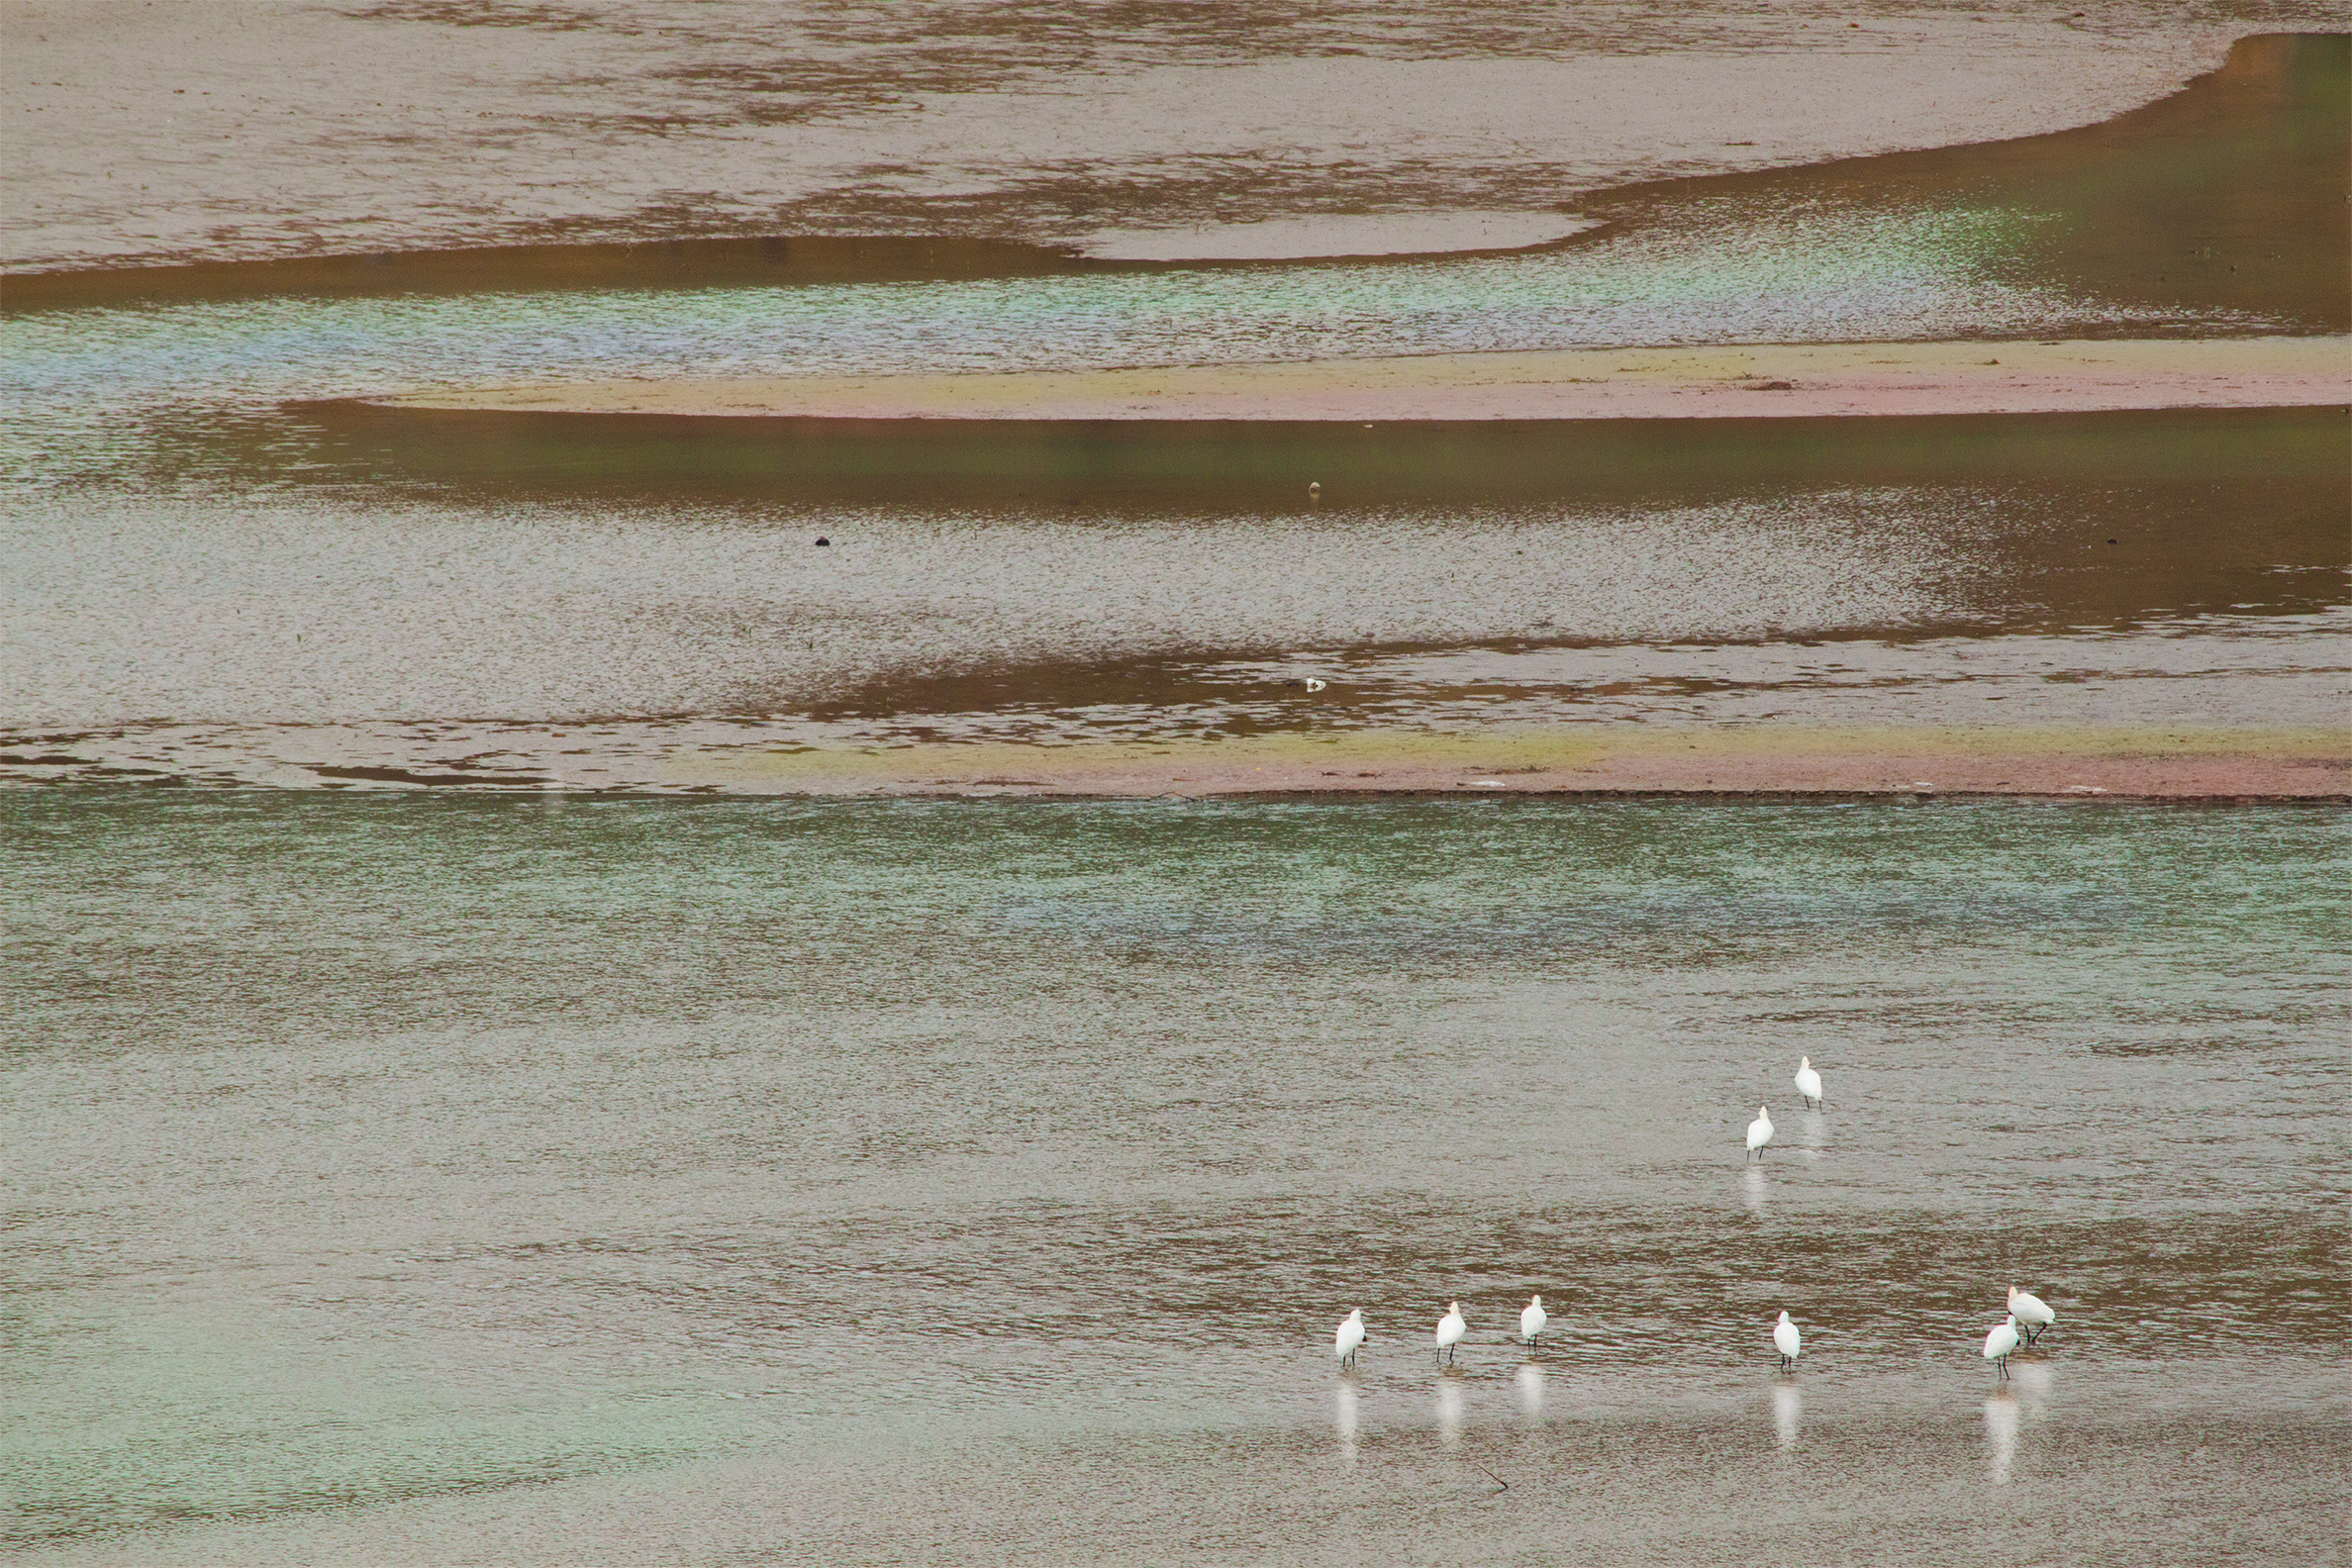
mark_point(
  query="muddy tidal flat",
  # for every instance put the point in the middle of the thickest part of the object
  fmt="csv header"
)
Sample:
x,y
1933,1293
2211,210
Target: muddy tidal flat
x,y
778,784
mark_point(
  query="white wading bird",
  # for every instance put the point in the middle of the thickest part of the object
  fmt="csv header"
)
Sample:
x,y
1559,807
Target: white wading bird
x,y
2031,1311
1532,1318
1787,1340
1999,1342
1759,1132
1808,1083
1450,1329
1350,1337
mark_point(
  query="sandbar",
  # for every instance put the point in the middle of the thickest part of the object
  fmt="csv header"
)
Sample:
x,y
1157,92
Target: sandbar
x,y
2118,762
1745,381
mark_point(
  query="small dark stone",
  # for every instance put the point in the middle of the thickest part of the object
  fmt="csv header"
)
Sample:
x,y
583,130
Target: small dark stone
x,y
822,540
2110,542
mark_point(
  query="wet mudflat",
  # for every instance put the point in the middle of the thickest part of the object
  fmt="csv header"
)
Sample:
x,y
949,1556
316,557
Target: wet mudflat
x,y
227,570
211,132
496,1180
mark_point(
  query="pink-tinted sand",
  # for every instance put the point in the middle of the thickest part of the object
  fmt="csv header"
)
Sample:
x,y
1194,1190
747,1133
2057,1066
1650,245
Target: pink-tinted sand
x,y
1735,381
2113,764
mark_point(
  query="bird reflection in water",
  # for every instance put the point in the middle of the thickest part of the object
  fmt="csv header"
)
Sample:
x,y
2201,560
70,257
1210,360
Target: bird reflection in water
x,y
1751,1188
1812,1130
2000,1425
1529,1384
1449,1409
1344,1416
1788,1409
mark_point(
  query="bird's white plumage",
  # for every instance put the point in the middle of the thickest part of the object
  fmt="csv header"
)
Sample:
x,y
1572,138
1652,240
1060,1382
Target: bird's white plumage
x,y
2027,1307
1352,1334
1760,1130
1532,1318
2002,1340
1452,1326
1809,1082
1784,1338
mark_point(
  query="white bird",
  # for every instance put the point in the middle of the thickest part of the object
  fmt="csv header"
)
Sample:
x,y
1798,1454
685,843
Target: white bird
x,y
1759,1132
1787,1340
1809,1082
1999,1342
1350,1336
2031,1311
1532,1318
1450,1329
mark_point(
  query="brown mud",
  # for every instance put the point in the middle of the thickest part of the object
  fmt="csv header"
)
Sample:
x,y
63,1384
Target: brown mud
x,y
772,262
2228,196
1268,464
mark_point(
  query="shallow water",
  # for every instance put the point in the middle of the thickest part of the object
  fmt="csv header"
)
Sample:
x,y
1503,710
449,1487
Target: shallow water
x,y
400,1177
353,639
444,1177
